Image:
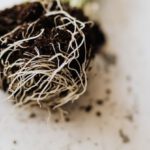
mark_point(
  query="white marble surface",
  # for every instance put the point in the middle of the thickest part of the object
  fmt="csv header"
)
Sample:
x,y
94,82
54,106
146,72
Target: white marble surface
x,y
127,26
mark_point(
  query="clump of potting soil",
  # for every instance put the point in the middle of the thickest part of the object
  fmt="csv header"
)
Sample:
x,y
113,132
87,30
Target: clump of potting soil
x,y
12,17
44,57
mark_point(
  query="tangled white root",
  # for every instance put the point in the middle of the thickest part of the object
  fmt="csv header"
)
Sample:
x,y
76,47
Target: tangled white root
x,y
54,77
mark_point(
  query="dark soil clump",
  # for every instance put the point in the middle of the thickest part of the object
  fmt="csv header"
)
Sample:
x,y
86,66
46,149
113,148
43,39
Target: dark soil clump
x,y
124,137
32,115
98,114
88,108
20,14
42,35
100,102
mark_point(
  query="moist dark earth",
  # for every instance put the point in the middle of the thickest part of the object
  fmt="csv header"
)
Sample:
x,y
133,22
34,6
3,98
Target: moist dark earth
x,y
22,15
19,14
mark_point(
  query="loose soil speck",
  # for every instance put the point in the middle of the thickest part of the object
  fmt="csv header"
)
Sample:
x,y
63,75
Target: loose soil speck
x,y
88,138
90,68
96,144
32,115
79,141
14,142
108,91
128,78
56,121
98,114
130,117
100,102
67,119
110,59
124,137
88,108
129,89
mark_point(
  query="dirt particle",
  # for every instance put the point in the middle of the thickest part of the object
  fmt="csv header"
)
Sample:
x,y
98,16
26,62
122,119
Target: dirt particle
x,y
90,68
79,141
128,78
110,59
124,137
67,119
56,120
81,107
32,115
98,113
129,89
14,142
88,108
130,117
108,91
88,138
96,144
100,102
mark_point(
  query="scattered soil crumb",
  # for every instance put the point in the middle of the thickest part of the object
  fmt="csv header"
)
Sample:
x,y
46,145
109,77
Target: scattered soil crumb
x,y
88,138
14,142
130,117
129,89
79,141
108,91
88,108
32,115
81,107
124,137
110,59
56,120
96,144
98,113
67,119
128,78
90,68
100,102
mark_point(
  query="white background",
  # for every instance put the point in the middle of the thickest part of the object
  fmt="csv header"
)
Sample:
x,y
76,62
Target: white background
x,y
127,26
